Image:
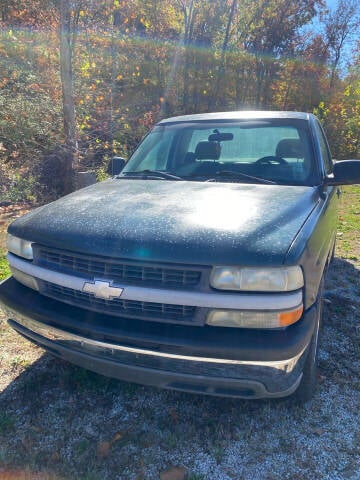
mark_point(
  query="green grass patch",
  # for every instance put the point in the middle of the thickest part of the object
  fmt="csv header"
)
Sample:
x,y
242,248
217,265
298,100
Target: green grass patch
x,y
348,242
20,362
4,266
81,380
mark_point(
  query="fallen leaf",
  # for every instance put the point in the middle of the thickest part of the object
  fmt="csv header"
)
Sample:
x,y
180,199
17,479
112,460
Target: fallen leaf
x,y
174,415
173,473
103,449
27,443
118,436
55,457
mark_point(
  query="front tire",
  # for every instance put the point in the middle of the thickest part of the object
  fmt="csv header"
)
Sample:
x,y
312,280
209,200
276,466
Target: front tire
x,y
308,384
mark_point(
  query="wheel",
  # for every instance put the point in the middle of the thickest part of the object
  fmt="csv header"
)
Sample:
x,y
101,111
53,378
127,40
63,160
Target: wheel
x,y
308,384
271,160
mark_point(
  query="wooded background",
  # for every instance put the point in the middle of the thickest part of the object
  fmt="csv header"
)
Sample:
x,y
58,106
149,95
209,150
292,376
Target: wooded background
x,y
81,81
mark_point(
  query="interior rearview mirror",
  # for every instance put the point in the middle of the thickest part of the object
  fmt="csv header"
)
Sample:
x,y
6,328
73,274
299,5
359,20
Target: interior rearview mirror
x,y
220,137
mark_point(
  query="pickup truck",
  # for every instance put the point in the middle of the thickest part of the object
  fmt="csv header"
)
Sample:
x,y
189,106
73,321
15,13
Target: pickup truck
x,y
199,266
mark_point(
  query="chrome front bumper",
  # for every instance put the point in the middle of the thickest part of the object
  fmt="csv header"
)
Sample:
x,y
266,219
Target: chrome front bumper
x,y
212,376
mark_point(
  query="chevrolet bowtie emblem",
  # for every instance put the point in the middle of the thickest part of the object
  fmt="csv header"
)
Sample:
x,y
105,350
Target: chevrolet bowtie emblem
x,y
101,289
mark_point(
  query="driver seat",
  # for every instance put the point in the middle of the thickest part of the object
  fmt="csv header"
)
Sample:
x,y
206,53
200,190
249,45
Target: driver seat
x,y
290,148
293,148
208,150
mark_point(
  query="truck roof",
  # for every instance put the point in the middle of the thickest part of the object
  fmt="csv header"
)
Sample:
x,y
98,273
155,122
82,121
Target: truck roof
x,y
236,115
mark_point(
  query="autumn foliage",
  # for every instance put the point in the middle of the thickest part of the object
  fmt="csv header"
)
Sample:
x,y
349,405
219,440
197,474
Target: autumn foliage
x,y
133,62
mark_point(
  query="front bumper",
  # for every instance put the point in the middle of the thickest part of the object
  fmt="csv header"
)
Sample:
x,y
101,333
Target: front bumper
x,y
207,360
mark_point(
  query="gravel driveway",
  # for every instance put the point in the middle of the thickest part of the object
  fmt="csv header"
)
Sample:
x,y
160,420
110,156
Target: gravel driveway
x,y
67,423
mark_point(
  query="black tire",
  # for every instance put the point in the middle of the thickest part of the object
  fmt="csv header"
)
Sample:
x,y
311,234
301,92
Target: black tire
x,y
308,384
332,253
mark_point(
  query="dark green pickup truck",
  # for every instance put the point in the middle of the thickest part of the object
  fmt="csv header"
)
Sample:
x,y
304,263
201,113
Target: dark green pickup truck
x,y
198,267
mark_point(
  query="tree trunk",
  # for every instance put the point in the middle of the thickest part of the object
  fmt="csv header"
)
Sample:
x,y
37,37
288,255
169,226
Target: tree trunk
x,y
221,70
70,140
189,13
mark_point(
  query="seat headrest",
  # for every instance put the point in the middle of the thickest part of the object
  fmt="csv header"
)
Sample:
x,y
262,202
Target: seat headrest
x,y
208,150
290,148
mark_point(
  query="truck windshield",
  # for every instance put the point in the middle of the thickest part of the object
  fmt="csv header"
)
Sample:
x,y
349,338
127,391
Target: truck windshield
x,y
273,150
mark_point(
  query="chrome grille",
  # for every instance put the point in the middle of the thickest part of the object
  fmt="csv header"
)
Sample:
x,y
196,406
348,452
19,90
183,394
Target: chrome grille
x,y
117,270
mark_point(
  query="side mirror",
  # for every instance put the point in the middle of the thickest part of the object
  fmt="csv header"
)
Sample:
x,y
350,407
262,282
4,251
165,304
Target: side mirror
x,y
115,166
346,172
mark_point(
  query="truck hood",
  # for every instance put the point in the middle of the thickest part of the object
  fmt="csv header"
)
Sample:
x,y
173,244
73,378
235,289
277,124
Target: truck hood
x,y
174,221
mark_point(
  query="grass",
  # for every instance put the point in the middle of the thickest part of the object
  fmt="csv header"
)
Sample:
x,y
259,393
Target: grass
x,y
4,266
20,362
7,215
348,242
82,446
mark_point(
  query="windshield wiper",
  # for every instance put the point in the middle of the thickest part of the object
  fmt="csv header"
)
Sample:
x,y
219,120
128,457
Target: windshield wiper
x,y
150,174
230,173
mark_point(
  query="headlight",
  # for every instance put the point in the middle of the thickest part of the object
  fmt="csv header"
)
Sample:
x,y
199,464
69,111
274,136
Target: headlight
x,y
254,279
18,246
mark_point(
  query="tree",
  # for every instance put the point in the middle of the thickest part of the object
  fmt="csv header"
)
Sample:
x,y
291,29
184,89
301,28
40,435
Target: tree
x,y
341,114
136,60
303,80
221,70
268,30
66,74
340,26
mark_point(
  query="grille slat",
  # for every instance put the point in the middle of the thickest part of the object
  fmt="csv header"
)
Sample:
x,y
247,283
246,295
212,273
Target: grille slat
x,y
117,270
118,307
